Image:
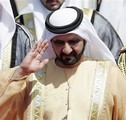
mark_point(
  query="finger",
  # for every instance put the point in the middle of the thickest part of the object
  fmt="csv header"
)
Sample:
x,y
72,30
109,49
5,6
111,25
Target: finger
x,y
34,47
38,47
44,62
38,57
44,48
33,53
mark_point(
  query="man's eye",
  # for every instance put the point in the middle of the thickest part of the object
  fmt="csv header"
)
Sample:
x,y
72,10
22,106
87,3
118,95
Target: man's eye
x,y
73,42
58,42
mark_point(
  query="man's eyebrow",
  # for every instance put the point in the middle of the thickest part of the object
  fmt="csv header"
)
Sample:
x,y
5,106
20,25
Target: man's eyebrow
x,y
77,38
56,40
68,39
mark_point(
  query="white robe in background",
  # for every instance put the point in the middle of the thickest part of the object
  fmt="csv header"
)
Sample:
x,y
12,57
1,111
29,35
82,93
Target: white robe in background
x,y
115,12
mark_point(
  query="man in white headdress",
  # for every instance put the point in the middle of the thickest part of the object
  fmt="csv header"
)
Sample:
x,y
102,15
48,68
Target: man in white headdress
x,y
114,11
15,40
7,28
79,79
41,8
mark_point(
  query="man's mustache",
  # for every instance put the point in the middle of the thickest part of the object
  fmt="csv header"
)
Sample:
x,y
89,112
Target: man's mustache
x,y
51,1
73,53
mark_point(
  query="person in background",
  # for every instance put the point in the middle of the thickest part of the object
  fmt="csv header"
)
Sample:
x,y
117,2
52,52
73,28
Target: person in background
x,y
69,75
115,14
39,9
15,39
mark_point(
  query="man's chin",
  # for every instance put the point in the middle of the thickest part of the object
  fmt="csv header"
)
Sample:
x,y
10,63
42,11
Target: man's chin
x,y
69,62
53,7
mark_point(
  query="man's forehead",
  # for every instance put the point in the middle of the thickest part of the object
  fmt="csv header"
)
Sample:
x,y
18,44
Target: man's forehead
x,y
67,36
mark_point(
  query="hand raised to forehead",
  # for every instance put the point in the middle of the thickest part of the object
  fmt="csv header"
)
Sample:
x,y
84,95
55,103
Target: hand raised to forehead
x,y
33,60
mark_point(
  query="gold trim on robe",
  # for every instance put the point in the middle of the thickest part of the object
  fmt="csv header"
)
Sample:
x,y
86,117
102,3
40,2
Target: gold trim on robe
x,y
99,88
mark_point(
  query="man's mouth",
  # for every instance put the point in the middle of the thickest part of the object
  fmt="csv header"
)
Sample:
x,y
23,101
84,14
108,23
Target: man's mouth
x,y
52,2
68,58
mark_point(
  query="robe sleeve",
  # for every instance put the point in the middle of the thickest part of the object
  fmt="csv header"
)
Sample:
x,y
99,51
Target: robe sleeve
x,y
118,91
114,105
12,94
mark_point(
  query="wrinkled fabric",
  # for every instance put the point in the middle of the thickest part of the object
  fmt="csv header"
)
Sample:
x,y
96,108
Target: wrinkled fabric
x,y
22,42
7,24
107,34
115,13
16,101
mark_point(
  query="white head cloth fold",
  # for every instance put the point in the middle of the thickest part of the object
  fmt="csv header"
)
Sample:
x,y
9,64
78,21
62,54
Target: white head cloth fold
x,y
94,49
7,25
40,12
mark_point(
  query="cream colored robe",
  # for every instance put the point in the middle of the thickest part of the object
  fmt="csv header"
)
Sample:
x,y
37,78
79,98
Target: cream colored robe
x,y
76,93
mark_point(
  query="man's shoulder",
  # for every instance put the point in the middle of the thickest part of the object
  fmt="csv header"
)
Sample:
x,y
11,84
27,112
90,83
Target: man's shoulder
x,y
88,61
22,33
24,29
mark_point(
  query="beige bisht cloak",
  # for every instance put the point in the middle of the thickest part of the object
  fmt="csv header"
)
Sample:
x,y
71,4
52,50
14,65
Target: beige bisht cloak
x,y
95,92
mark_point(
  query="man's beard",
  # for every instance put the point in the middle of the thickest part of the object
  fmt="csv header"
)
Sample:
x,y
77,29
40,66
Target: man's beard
x,y
70,59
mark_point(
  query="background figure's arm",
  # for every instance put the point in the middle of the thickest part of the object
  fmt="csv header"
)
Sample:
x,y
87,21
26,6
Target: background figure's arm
x,y
22,42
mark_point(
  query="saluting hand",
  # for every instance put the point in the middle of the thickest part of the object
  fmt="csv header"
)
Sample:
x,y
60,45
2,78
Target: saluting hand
x,y
33,60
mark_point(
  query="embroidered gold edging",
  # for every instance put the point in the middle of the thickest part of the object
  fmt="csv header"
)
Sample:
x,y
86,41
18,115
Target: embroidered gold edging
x,y
122,61
18,79
26,34
29,23
37,103
37,108
6,56
28,17
88,12
36,95
98,90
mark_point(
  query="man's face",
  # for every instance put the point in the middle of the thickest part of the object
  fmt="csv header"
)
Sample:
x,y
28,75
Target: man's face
x,y
68,49
52,4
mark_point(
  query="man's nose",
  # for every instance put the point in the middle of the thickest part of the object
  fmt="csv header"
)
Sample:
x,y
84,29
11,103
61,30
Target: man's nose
x,y
67,49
